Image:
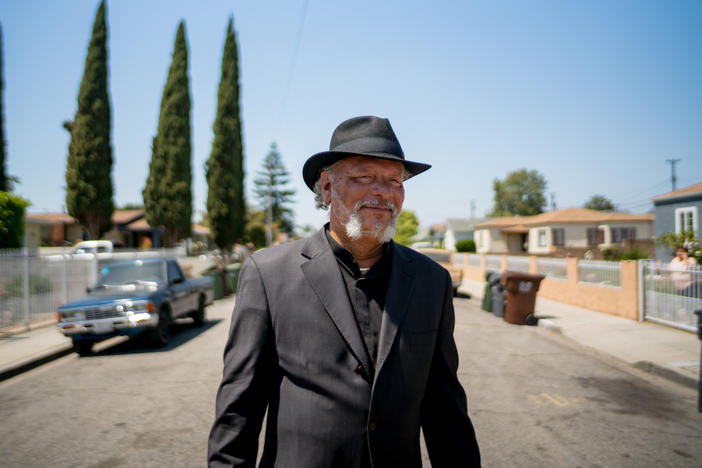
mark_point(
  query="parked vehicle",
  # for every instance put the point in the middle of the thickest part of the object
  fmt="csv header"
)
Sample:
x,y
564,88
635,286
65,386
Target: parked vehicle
x,y
140,296
445,259
92,246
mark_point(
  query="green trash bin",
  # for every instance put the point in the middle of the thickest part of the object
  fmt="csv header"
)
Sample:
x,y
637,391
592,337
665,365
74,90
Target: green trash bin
x,y
233,276
216,284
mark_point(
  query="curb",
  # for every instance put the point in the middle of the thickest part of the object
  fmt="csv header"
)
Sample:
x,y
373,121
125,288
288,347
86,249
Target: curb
x,y
646,366
29,364
550,325
668,373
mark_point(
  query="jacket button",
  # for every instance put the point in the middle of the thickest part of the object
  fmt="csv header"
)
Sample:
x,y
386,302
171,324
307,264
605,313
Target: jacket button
x,y
371,426
359,368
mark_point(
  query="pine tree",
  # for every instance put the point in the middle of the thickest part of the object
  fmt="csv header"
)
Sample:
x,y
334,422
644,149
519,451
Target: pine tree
x,y
4,182
226,206
168,195
89,168
271,192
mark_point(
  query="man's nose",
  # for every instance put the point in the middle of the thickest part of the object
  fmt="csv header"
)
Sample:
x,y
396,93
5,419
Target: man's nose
x,y
382,187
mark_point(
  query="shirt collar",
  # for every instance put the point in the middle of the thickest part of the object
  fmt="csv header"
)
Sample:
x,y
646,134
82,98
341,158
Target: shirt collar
x,y
345,258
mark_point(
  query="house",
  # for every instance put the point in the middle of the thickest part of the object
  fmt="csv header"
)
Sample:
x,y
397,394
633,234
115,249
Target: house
x,y
458,229
51,229
130,229
677,211
570,231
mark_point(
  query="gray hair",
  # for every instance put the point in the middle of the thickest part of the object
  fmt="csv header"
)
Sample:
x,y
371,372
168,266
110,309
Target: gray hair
x,y
317,188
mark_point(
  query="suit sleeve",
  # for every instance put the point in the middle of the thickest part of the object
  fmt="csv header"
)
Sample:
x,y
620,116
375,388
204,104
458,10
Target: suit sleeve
x,y
249,367
448,431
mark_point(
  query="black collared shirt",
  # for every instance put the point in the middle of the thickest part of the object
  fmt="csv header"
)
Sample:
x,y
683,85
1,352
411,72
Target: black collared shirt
x,y
366,292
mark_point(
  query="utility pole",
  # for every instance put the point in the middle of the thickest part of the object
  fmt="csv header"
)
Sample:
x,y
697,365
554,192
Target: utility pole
x,y
553,201
672,170
472,209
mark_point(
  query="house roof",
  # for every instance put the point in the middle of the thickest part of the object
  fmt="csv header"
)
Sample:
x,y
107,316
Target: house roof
x,y
50,218
683,192
200,229
564,216
126,216
463,224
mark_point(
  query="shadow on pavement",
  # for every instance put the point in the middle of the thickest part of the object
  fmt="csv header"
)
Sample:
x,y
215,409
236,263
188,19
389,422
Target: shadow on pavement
x,y
182,331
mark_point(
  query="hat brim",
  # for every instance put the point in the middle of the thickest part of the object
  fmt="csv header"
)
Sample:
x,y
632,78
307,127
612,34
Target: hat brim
x,y
314,165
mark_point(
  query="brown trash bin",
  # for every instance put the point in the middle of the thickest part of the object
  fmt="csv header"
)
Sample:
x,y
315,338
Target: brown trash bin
x,y
520,296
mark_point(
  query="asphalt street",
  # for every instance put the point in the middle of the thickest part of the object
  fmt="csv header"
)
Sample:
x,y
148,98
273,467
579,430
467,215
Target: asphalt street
x,y
536,400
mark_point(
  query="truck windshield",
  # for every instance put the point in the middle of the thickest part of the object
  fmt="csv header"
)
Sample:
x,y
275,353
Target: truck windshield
x,y
131,273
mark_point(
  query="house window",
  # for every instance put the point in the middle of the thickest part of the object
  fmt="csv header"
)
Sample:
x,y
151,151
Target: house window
x,y
595,236
542,238
686,219
622,234
558,237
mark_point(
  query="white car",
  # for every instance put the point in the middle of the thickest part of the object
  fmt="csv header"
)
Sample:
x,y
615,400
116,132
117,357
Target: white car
x,y
92,247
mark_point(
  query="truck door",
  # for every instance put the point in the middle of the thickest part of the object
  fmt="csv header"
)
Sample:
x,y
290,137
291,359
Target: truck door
x,y
180,290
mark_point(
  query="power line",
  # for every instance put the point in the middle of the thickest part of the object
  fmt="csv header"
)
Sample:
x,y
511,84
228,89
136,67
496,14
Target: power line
x,y
293,61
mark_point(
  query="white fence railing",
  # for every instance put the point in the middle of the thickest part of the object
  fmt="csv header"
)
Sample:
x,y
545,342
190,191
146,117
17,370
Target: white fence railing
x,y
518,264
493,262
474,260
671,296
601,273
552,268
32,287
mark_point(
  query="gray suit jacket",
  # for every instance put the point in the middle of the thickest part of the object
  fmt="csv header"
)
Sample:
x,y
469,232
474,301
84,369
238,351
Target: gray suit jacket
x,y
294,348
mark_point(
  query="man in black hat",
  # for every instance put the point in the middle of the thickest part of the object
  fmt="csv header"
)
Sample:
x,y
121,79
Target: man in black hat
x,y
345,337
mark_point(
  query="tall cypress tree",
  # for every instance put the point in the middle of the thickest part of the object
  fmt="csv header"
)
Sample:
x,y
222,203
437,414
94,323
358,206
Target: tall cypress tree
x,y
89,167
4,182
168,194
226,207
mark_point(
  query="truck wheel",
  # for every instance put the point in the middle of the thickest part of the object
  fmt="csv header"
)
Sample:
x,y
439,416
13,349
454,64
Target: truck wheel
x,y
83,347
199,315
159,336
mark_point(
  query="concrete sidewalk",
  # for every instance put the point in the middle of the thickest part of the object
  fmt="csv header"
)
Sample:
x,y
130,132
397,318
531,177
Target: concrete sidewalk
x,y
25,350
666,351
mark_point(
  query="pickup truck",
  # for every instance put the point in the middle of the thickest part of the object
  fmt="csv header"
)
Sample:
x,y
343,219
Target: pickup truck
x,y
136,297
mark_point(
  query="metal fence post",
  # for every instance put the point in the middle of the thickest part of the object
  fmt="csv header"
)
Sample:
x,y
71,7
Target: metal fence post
x,y
641,280
699,381
25,281
94,270
64,280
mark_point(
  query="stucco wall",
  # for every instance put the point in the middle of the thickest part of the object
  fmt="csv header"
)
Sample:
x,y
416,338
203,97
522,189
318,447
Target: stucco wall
x,y
622,301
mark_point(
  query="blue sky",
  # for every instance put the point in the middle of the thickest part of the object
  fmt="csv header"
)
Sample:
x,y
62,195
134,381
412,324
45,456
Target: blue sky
x,y
595,95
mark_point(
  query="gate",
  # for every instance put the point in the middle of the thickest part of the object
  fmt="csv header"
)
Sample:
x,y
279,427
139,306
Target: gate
x,y
668,296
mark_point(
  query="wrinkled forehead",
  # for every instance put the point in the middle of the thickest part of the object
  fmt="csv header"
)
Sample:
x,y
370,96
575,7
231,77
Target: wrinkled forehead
x,y
369,164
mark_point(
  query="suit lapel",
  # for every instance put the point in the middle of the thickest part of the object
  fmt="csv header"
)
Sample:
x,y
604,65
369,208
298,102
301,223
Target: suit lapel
x,y
323,275
400,288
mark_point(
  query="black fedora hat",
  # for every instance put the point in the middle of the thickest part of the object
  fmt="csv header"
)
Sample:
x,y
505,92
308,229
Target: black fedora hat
x,y
360,136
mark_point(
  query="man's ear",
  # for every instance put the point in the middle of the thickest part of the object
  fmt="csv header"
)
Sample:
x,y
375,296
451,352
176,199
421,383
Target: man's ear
x,y
325,185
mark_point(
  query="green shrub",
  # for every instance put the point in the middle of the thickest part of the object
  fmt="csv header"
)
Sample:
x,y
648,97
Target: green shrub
x,y
11,220
634,254
465,245
37,285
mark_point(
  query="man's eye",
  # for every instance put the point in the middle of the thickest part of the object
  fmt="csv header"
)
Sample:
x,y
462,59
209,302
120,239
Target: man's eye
x,y
364,179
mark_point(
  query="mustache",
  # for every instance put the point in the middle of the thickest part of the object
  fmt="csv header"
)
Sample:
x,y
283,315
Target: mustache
x,y
376,204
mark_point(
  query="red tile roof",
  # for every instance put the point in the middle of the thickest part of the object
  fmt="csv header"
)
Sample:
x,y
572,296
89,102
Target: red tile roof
x,y
564,216
689,190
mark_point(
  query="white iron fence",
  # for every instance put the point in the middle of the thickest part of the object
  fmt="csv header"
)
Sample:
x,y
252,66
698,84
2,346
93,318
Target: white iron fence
x,y
32,287
670,296
518,264
600,273
552,268
493,262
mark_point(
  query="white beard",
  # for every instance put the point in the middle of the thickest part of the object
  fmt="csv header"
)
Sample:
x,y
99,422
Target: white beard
x,y
354,225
